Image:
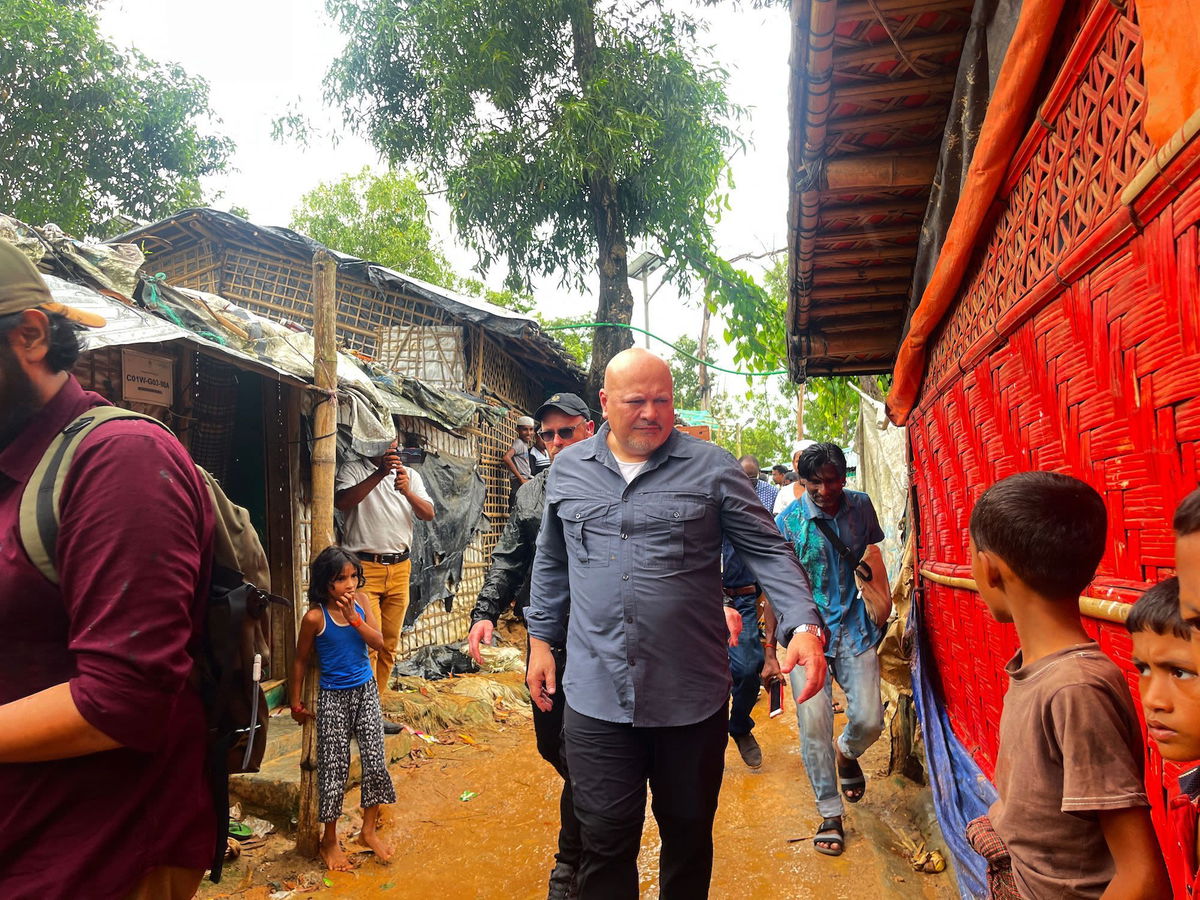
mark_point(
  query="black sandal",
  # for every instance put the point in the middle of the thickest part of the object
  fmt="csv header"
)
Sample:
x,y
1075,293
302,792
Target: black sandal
x,y
854,782
832,834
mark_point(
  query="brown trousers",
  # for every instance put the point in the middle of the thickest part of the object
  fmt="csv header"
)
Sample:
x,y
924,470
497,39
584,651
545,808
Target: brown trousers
x,y
387,598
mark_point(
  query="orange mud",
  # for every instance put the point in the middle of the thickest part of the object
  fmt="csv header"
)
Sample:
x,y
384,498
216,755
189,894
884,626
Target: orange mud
x,y
499,844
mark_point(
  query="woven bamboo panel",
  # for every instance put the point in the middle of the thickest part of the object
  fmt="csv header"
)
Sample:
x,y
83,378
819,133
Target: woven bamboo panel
x,y
494,442
1093,148
431,353
508,381
195,266
1100,382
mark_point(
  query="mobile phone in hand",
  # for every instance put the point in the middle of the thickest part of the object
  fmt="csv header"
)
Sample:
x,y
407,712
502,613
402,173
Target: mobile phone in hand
x,y
776,691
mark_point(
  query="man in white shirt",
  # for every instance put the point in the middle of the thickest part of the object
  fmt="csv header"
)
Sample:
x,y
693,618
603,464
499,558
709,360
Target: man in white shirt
x,y
380,497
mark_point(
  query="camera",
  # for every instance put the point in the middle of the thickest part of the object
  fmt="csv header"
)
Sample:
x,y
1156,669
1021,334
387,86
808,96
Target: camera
x,y
411,456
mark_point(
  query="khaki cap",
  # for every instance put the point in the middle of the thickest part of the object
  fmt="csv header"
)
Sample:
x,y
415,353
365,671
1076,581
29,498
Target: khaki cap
x,y
22,287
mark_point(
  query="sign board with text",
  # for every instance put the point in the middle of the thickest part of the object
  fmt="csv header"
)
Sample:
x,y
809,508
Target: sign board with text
x,y
146,378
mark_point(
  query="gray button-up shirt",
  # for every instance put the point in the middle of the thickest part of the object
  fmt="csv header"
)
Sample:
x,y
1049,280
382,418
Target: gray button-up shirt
x,y
639,567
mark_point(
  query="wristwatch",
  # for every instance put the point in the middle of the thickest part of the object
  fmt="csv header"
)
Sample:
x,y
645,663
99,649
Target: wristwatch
x,y
816,630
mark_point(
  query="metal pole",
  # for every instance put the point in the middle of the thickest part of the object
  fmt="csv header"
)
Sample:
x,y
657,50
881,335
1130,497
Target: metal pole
x,y
646,304
324,462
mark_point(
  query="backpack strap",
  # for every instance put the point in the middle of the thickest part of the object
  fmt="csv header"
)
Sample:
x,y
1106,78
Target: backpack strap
x,y
861,569
40,511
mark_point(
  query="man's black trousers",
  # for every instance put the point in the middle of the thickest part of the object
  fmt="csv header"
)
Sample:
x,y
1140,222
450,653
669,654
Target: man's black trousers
x,y
548,728
611,765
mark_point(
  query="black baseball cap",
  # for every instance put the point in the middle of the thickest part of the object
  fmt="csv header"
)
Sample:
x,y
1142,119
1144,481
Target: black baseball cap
x,y
570,404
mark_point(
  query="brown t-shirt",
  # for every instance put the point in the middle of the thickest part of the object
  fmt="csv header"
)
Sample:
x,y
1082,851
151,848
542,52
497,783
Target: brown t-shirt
x,y
1070,747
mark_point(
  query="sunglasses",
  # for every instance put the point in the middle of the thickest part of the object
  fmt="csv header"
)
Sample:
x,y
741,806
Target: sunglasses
x,y
563,433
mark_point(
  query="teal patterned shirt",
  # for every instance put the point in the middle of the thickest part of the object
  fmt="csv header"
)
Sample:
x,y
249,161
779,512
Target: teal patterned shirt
x,y
851,631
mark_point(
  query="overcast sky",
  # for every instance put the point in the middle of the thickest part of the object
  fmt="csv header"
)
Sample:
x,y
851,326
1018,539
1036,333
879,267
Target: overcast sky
x,y
260,56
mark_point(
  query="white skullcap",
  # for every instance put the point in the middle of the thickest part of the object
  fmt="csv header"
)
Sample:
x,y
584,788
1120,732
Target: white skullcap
x,y
526,421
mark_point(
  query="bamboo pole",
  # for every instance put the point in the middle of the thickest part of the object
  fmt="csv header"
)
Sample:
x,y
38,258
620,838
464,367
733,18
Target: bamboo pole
x,y
909,115
831,212
887,90
857,9
861,274
324,462
865,289
1115,611
877,172
866,256
877,234
936,44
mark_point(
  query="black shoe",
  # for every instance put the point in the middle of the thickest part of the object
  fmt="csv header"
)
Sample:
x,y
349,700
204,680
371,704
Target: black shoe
x,y
562,882
748,747
392,727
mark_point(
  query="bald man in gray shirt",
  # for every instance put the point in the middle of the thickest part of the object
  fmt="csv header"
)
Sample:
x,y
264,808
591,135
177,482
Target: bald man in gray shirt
x,y
631,542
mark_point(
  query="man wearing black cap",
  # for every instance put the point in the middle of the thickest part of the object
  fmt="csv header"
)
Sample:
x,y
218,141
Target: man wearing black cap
x,y
102,787
564,420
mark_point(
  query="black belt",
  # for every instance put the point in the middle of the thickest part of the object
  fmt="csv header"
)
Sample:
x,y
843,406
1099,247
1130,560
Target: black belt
x,y
384,559
741,591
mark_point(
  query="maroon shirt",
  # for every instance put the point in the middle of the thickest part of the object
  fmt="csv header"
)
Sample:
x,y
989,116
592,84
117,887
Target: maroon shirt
x,y
133,548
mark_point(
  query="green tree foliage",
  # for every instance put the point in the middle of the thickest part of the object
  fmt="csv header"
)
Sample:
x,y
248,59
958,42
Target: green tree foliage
x,y
686,372
756,421
383,218
577,341
830,403
561,130
90,134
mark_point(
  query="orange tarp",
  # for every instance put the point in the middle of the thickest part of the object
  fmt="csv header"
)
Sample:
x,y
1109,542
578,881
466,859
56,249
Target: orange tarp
x,y
1171,58
1003,128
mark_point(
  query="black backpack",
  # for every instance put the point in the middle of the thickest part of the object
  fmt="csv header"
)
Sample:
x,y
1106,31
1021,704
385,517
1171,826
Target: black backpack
x,y
235,646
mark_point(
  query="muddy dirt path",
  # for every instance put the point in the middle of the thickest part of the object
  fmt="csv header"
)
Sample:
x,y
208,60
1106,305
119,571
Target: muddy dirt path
x,y
498,844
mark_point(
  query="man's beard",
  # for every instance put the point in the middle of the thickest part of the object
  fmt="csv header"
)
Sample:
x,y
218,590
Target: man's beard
x,y
18,402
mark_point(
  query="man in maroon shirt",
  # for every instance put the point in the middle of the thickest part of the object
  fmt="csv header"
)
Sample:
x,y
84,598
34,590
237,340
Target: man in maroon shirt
x,y
102,791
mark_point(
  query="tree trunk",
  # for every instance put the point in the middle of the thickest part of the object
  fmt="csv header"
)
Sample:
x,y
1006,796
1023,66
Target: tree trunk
x,y
616,299
869,385
705,386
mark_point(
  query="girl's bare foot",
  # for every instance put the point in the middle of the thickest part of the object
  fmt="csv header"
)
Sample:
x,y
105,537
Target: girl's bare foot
x,y
382,849
334,857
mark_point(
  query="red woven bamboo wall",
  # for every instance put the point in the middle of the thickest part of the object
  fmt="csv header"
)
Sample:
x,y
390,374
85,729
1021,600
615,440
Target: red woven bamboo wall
x,y
1074,346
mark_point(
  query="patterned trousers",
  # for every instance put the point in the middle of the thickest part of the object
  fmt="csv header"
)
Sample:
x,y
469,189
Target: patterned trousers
x,y
983,840
342,714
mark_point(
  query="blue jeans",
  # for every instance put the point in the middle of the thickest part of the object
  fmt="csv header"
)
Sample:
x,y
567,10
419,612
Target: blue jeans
x,y
859,678
745,665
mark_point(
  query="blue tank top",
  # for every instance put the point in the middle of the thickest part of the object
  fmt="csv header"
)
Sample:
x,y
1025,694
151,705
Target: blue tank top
x,y
343,654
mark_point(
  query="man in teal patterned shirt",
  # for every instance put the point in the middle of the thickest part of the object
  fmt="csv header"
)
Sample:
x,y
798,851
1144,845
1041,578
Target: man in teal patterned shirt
x,y
827,514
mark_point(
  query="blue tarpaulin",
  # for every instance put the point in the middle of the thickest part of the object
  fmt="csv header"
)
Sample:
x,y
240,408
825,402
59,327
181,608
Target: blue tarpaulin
x,y
961,792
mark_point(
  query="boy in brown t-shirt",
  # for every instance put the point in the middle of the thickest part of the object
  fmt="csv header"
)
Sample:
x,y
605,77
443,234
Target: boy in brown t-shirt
x,y
1072,810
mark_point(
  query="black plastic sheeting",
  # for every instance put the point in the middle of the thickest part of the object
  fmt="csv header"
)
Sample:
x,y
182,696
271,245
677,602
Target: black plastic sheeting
x,y
992,26
961,792
458,493
435,663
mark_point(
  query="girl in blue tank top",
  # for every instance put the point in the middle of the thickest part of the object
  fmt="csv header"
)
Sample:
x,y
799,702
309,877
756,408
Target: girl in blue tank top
x,y
341,630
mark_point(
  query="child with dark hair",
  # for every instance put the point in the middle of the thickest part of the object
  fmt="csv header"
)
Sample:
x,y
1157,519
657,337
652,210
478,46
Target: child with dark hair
x,y
1072,818
1187,563
1170,695
341,627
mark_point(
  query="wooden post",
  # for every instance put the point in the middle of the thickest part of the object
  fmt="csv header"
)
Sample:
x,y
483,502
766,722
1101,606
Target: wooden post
x,y
324,462
800,412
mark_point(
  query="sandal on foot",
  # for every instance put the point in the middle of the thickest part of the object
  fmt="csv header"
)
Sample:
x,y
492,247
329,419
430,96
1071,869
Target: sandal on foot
x,y
832,835
854,782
